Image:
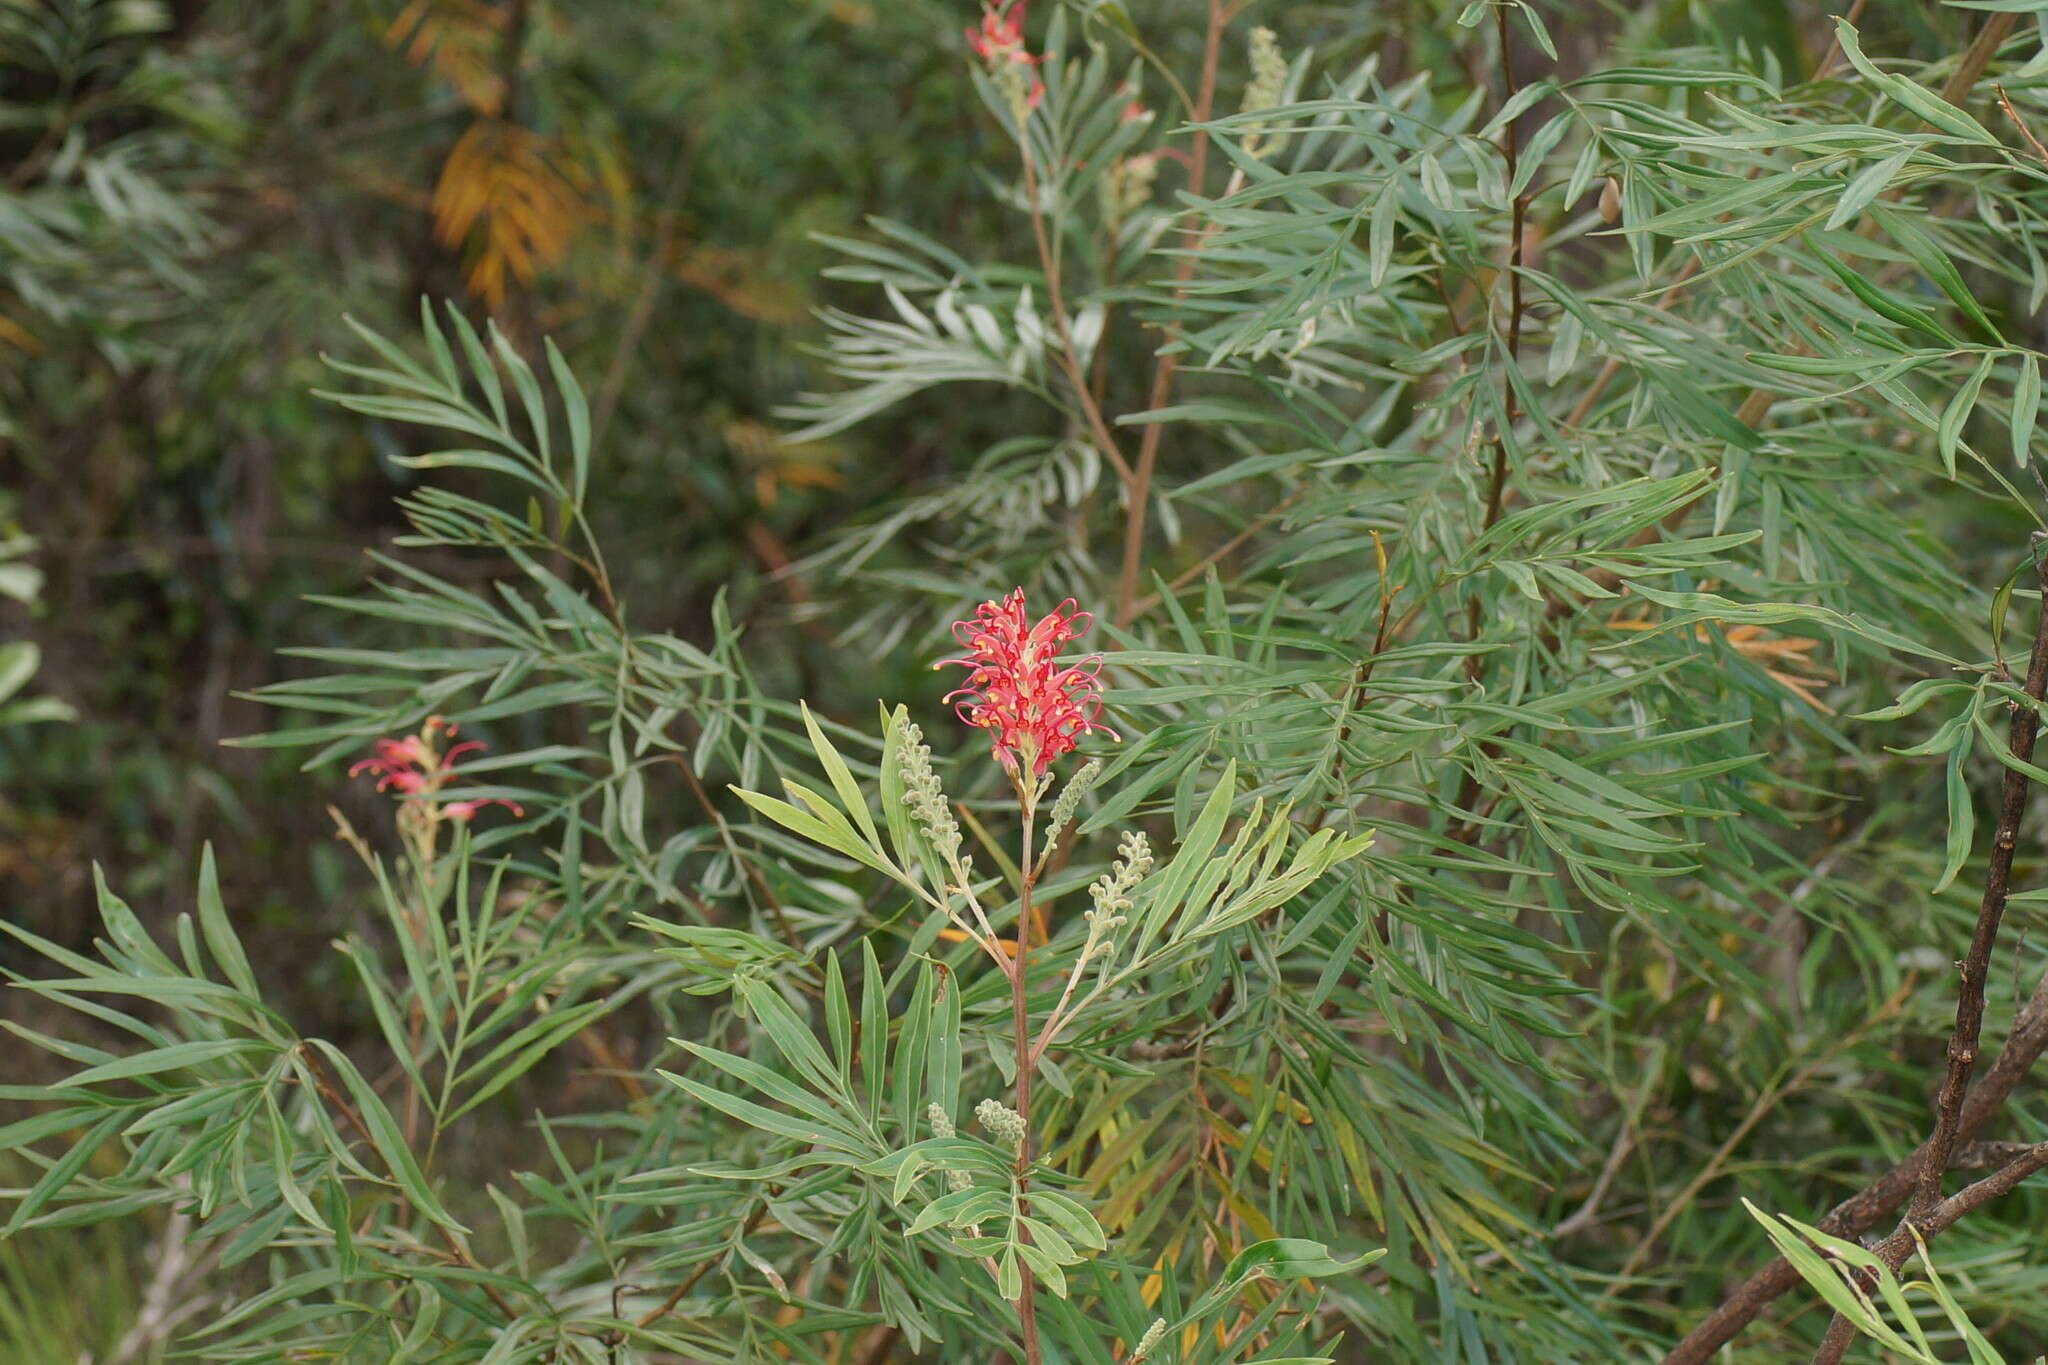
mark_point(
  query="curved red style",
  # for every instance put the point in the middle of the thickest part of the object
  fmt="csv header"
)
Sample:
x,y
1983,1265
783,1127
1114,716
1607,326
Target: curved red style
x,y
1035,707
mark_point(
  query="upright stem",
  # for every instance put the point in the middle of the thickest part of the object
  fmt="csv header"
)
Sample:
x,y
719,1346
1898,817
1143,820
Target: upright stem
x,y
1976,966
1962,1044
1497,480
1027,1061
1510,147
1069,354
1138,488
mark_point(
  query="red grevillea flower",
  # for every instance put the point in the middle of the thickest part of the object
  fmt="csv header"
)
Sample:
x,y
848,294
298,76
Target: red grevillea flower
x,y
1000,39
1001,35
1034,707
413,766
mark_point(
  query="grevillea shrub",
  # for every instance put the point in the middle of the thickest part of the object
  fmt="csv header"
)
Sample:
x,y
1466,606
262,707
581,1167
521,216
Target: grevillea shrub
x,y
1565,693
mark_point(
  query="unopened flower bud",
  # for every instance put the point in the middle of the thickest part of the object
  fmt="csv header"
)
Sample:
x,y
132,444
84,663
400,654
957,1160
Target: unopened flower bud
x,y
1069,799
1003,1123
923,794
1268,83
942,1127
941,1122
1111,892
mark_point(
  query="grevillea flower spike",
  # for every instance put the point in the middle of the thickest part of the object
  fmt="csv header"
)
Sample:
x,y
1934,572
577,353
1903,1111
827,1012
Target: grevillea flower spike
x,y
1034,707
999,42
414,766
1001,35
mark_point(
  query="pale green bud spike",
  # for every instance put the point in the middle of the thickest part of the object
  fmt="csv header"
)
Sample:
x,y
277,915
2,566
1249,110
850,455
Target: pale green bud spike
x,y
1070,798
1268,83
941,1122
1003,1123
923,794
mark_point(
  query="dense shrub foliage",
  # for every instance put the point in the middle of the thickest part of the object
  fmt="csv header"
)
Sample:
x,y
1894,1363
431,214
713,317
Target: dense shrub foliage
x,y
1555,498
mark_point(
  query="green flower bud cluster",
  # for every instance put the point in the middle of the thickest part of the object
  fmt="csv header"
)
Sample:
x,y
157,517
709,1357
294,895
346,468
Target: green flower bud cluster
x,y
1134,183
1268,84
942,1127
924,796
1070,799
1003,1123
1111,891
1015,87
941,1121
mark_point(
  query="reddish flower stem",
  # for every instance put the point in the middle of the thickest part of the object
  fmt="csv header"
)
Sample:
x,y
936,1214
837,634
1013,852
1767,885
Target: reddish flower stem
x,y
1027,1063
1138,487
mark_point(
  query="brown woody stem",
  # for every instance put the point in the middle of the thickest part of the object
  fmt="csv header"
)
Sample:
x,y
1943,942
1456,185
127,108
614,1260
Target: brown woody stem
x,y
1976,968
1138,488
1027,1063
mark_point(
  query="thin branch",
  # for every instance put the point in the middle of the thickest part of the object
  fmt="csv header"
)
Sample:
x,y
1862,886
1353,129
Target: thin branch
x,y
1856,1214
689,1281
1138,488
1511,151
1220,553
1056,302
2005,103
1976,966
1767,1101
1497,480
340,1103
654,272
1896,1249
753,874
1969,1026
1834,52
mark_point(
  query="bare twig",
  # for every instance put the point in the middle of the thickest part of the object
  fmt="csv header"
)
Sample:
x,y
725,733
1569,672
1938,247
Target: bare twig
x,y
1069,354
652,275
2005,103
689,1281
1896,1249
1221,552
169,1300
1834,52
1510,147
1497,480
1962,1045
1765,1102
753,874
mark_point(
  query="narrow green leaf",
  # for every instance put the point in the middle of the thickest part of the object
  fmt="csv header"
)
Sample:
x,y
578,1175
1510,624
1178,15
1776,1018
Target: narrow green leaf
x,y
385,1135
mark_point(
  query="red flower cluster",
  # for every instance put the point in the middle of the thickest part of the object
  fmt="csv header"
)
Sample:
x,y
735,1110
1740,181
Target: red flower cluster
x,y
413,767
1036,708
1001,39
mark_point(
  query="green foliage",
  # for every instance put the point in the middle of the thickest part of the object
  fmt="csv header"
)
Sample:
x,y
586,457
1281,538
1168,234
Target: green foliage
x,y
1879,1308
1554,531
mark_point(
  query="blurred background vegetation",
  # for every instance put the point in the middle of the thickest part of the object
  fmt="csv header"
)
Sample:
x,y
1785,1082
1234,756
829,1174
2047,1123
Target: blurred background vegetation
x,y
196,193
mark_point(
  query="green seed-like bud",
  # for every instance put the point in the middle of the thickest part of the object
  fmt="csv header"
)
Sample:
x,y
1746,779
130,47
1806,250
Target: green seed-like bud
x,y
923,794
1268,84
1070,798
1003,1123
941,1122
